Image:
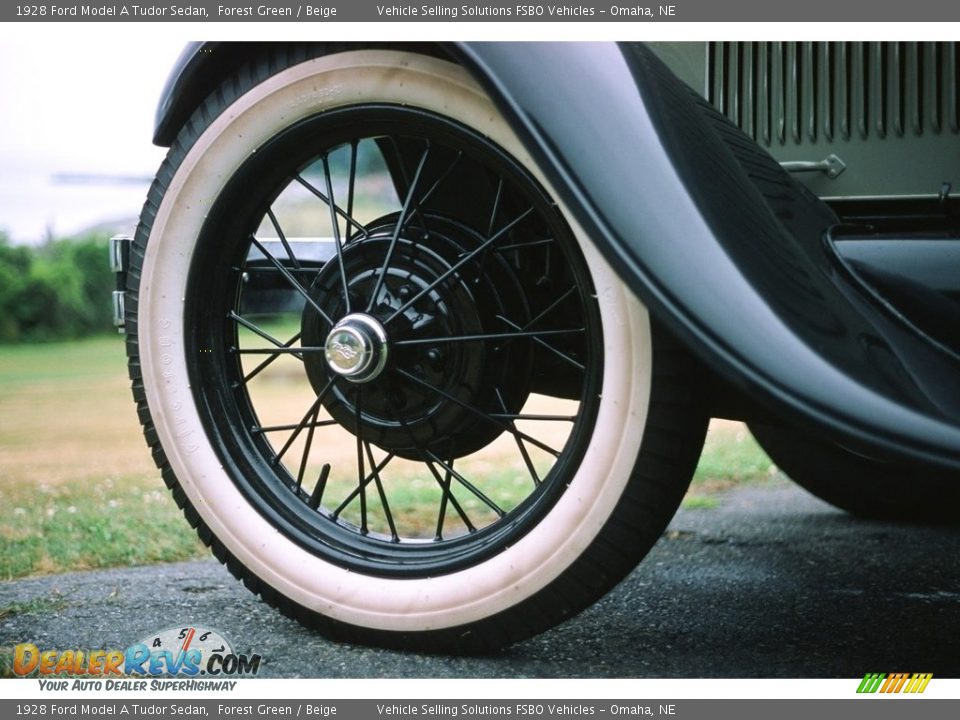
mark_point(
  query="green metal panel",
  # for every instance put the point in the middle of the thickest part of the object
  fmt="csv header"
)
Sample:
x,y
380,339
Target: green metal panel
x,y
889,110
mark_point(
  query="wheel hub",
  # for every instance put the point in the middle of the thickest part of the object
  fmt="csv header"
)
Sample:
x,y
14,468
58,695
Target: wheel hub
x,y
419,393
356,348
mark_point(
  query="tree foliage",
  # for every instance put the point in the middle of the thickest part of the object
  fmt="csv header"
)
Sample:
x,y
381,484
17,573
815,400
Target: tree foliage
x,y
59,290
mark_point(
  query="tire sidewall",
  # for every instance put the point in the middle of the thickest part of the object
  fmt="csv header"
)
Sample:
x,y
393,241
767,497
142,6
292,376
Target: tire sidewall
x,y
468,595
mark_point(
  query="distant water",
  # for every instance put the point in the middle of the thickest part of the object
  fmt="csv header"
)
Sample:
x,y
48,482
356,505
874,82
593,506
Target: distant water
x,y
38,206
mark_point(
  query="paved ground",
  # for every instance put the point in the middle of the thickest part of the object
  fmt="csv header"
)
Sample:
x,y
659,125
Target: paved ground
x,y
772,583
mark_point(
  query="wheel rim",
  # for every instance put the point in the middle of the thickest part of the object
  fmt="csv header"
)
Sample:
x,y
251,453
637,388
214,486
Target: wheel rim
x,y
422,315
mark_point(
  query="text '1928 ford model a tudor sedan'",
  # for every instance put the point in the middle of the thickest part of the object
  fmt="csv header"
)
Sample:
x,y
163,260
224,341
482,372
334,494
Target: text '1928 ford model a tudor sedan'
x,y
425,338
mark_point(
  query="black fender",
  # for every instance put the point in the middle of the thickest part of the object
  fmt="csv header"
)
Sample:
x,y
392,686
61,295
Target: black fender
x,y
202,66
199,69
723,246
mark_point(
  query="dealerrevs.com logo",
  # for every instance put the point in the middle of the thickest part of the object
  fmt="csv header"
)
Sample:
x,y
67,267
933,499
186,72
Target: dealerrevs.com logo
x,y
180,652
911,683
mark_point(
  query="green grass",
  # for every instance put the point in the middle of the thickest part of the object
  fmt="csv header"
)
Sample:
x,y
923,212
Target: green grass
x,y
88,524
730,456
695,501
78,489
60,363
37,606
6,662
54,603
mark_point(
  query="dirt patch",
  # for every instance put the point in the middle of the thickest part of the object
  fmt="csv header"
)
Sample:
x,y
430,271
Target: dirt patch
x,y
55,433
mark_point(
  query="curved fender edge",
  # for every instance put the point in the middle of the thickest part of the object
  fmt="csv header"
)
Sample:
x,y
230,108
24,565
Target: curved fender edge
x,y
726,250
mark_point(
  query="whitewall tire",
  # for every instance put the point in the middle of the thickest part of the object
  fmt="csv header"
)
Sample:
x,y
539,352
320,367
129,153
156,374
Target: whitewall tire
x,y
593,498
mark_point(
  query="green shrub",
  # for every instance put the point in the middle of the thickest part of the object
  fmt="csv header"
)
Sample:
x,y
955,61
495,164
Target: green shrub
x,y
59,290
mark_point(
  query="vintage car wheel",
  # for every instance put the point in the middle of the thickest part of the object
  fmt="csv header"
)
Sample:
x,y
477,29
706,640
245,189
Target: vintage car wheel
x,y
859,485
386,376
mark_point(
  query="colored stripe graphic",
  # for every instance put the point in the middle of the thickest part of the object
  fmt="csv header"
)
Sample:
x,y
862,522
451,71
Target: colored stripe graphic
x,y
870,682
894,682
919,682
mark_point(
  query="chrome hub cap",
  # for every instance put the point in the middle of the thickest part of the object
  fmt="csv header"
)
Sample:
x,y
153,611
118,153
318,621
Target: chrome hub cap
x,y
356,348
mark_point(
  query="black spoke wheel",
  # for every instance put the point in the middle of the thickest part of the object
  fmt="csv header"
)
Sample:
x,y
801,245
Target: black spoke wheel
x,y
383,370
416,341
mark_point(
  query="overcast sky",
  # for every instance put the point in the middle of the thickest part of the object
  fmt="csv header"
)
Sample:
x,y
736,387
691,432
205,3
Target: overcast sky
x,y
76,105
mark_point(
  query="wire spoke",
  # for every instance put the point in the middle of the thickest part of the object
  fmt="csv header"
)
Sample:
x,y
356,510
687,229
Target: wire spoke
x,y
400,164
404,177
447,491
525,245
445,487
351,183
340,211
487,336
294,283
282,350
551,307
256,329
496,205
468,485
460,263
306,447
260,270
476,411
282,428
302,424
433,188
283,239
493,218
523,448
266,363
401,222
383,495
559,353
363,483
451,498
335,224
